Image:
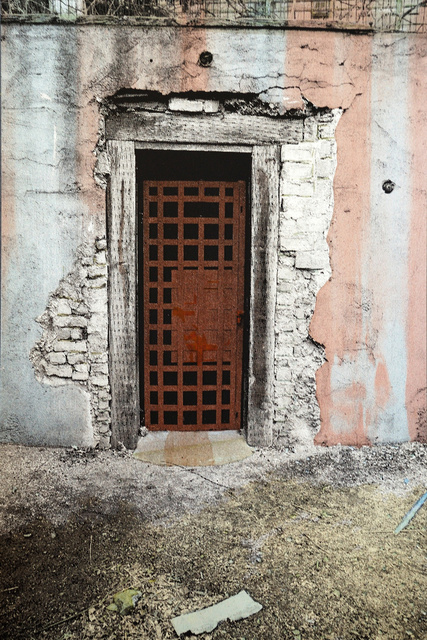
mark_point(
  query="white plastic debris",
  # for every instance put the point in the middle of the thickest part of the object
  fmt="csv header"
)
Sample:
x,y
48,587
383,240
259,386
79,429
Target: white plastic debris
x,y
235,608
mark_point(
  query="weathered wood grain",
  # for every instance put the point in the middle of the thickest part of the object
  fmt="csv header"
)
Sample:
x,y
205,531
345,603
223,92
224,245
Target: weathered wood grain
x,y
204,129
265,216
122,240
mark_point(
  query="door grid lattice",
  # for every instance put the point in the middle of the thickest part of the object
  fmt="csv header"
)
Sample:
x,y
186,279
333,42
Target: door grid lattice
x,y
193,277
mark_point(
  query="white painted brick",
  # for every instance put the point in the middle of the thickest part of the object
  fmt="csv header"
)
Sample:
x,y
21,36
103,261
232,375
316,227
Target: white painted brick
x,y
296,172
286,261
104,416
312,260
326,148
97,343
296,203
60,370
97,271
286,325
99,381
64,308
82,367
82,309
104,394
326,130
210,106
303,189
315,225
302,328
283,374
56,357
299,242
76,334
99,357
80,376
104,442
297,153
183,104
310,129
283,290
286,274
283,388
103,404
76,358
69,345
100,368
97,299
104,428
98,323
97,283
324,192
325,168
288,227
63,333
101,258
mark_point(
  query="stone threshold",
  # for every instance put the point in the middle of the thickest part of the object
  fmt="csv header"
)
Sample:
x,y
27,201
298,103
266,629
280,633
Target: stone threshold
x,y
192,448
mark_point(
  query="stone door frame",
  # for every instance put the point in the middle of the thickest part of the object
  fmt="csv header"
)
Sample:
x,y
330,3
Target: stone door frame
x,y
259,136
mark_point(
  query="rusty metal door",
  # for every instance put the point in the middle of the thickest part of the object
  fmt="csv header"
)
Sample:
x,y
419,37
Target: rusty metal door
x,y
193,284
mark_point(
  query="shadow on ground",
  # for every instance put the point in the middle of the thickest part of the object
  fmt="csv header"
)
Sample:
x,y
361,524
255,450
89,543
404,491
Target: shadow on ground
x,y
322,560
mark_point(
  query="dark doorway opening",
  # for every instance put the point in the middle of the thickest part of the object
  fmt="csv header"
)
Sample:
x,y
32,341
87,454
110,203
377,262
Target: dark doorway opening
x,y
193,302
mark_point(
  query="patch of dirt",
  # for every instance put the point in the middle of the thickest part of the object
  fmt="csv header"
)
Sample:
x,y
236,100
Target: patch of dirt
x,y
321,558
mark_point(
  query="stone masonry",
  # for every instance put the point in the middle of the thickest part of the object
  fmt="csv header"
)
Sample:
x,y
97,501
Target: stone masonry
x,y
73,348
306,190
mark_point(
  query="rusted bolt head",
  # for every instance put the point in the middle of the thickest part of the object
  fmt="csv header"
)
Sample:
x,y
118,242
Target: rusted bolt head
x,y
205,59
388,186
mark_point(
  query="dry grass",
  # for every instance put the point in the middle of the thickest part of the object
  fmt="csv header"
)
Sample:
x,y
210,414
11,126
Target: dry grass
x,y
323,561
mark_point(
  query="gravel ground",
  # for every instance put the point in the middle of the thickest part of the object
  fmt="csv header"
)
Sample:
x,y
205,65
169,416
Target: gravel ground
x,y
53,483
309,537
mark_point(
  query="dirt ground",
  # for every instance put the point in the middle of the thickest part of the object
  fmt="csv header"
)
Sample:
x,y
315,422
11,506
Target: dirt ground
x,y
309,537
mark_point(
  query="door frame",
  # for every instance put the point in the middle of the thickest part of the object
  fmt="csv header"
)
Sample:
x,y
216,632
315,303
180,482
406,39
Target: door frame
x,y
125,134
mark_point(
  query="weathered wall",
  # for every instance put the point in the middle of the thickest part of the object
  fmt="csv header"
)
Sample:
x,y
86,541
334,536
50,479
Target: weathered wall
x,y
370,315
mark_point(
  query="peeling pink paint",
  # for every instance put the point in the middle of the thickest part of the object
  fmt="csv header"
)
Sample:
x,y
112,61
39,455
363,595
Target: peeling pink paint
x,y
337,320
417,304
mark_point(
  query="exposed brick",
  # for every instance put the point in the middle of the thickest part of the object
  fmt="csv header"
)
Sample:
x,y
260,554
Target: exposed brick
x,y
76,358
80,375
101,258
100,368
56,357
64,308
69,345
82,367
60,370
297,153
97,271
312,260
296,172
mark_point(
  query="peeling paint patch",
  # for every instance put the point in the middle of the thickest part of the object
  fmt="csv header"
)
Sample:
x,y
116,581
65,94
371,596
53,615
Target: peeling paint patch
x,y
307,203
73,348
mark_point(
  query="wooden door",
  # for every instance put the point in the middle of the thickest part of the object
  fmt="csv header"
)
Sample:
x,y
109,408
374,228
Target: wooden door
x,y
193,290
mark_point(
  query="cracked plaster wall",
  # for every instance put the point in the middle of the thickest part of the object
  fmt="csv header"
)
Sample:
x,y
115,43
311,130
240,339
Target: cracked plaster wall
x,y
54,80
